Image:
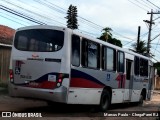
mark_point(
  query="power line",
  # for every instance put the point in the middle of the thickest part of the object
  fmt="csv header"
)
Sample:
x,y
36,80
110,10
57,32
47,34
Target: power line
x,y
155,59
78,15
23,14
153,4
156,46
16,18
62,11
33,13
147,3
155,37
142,3
20,14
137,5
12,20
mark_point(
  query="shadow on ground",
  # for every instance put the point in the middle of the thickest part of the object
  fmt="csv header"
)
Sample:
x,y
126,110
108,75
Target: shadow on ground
x,y
65,110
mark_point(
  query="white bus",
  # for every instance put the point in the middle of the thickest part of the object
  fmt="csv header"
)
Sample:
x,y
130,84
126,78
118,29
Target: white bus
x,y
62,65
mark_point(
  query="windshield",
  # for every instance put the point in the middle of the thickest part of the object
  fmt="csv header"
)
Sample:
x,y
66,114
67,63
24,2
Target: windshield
x,y
39,40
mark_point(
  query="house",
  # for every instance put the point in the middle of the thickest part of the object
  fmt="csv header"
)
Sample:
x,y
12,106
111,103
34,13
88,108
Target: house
x,y
6,36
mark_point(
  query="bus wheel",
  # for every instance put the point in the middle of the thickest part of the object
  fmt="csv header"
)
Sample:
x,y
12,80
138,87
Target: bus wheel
x,y
105,101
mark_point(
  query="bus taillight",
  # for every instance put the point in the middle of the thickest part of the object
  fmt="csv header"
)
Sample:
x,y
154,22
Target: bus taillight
x,y
59,81
11,75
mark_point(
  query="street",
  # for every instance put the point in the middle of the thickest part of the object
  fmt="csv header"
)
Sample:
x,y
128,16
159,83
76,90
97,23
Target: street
x,y
65,112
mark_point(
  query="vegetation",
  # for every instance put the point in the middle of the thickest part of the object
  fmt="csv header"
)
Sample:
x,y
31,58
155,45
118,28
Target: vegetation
x,y
107,37
157,66
72,17
140,48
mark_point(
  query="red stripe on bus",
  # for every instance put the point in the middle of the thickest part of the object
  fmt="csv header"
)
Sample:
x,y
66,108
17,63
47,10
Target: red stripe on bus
x,y
44,85
84,83
121,80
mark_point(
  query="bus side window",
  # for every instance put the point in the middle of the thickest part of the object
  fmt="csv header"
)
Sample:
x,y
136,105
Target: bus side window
x,y
120,62
90,54
75,50
136,66
108,59
103,58
146,68
84,53
143,67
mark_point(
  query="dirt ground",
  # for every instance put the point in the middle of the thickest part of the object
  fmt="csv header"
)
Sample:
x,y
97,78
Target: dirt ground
x,y
79,112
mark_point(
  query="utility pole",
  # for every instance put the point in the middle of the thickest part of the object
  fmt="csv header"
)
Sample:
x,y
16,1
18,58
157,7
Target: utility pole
x,y
150,28
138,38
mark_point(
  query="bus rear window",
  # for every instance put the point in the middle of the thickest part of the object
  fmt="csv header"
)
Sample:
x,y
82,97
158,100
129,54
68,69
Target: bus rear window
x,y
39,40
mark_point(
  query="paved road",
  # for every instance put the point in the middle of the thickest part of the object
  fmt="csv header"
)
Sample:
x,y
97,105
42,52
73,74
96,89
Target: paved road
x,y
66,112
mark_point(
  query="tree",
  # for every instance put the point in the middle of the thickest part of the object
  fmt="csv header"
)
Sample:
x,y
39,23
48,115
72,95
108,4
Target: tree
x,y
107,37
140,48
72,17
157,66
106,34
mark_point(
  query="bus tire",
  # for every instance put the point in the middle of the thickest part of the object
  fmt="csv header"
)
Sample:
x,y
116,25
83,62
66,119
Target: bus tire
x,y
105,101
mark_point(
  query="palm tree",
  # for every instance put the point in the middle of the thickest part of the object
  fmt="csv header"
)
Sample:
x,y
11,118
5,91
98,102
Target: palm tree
x,y
107,37
140,48
106,34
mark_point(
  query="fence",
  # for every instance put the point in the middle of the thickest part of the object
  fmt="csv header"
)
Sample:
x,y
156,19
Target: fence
x,y
5,52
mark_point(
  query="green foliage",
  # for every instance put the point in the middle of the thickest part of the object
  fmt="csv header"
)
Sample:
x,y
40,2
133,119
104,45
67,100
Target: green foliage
x,y
107,37
72,17
157,66
140,48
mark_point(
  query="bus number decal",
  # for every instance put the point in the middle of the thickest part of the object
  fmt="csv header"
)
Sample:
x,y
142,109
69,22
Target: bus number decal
x,y
108,77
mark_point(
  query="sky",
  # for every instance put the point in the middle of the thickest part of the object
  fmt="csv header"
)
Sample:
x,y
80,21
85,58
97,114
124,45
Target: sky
x,y
123,16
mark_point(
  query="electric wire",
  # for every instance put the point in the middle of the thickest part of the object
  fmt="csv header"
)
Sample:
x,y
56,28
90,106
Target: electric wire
x,y
153,4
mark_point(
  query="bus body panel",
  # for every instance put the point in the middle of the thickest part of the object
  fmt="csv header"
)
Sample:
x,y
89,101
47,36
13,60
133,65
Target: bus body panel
x,y
56,95
88,84
36,74
84,95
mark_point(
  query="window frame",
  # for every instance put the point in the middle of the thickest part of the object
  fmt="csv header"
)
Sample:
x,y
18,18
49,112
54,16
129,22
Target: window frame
x,y
23,34
79,49
143,66
136,64
84,54
118,62
105,58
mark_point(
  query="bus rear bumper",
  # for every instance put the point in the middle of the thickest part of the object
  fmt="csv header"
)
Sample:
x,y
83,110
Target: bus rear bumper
x,y
56,95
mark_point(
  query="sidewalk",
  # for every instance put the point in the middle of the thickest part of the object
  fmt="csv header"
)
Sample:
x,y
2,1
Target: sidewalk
x,y
156,91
